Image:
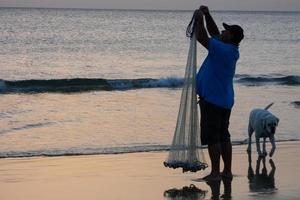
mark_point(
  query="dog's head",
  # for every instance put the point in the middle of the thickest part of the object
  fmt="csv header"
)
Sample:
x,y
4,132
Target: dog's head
x,y
270,123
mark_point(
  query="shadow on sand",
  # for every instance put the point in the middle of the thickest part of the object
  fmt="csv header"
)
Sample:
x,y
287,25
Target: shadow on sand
x,y
261,181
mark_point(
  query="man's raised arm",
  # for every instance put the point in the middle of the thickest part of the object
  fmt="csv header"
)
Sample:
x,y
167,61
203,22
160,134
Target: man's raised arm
x,y
210,23
201,33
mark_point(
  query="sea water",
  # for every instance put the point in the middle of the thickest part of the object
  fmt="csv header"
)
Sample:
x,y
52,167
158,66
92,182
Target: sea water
x,y
76,82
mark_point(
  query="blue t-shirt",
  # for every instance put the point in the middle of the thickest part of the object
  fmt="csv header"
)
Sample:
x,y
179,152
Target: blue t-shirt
x,y
215,77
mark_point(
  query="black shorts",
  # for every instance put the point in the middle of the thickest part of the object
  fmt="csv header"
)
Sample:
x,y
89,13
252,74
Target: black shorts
x,y
214,123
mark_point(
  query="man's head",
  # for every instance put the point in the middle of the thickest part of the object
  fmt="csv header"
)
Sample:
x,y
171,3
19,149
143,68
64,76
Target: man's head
x,y
232,34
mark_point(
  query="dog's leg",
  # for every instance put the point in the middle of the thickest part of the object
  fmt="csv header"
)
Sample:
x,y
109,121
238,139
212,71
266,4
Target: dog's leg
x,y
273,168
265,153
250,132
272,140
258,165
250,169
264,171
258,147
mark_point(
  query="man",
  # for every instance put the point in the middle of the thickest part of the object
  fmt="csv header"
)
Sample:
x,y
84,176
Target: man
x,y
215,89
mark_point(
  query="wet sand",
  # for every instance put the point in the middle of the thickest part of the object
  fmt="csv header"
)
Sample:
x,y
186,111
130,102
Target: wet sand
x,y
143,176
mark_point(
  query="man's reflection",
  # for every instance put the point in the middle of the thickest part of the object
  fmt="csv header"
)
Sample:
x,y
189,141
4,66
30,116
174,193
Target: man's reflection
x,y
215,189
261,181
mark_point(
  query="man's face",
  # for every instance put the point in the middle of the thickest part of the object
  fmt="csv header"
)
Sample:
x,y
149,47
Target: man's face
x,y
226,36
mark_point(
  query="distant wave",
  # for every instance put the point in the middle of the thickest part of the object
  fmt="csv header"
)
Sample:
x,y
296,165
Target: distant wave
x,y
259,80
86,84
27,126
296,104
101,151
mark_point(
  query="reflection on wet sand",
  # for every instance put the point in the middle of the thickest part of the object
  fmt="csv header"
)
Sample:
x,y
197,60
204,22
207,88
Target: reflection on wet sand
x,y
193,193
261,181
215,189
186,193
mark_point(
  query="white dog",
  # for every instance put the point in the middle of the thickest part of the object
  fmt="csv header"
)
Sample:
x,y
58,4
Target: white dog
x,y
264,124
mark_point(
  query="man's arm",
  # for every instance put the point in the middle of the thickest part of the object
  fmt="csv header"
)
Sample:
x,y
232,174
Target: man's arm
x,y
210,23
201,33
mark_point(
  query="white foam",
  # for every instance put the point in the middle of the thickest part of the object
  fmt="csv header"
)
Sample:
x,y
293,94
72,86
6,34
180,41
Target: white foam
x,y
164,82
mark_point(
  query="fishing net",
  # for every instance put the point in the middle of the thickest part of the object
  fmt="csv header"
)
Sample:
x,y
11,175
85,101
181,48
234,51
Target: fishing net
x,y
185,151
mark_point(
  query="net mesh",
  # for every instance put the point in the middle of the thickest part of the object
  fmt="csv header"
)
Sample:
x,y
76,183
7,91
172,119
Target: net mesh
x,y
185,151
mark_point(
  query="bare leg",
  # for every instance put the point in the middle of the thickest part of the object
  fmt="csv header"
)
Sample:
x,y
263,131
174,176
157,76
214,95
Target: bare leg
x,y
214,151
214,154
226,153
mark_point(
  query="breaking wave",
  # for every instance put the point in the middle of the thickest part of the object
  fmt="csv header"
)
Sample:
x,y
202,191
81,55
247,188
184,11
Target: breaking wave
x,y
86,84
260,80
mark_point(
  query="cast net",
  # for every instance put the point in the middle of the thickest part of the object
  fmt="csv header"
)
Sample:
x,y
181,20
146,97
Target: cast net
x,y
185,151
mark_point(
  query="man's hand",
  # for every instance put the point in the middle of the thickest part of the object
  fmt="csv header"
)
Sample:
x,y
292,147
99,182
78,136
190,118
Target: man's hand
x,y
198,14
204,9
210,23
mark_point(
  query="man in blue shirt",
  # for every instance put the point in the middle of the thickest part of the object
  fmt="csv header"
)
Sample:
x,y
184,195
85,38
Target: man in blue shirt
x,y
215,89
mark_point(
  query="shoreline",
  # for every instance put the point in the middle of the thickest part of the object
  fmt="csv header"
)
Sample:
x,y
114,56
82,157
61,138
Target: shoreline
x,y
143,176
113,151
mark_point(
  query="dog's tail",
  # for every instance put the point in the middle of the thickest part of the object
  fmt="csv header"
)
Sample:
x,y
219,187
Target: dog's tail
x,y
268,106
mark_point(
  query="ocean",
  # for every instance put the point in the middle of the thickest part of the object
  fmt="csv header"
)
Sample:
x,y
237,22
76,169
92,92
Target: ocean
x,y
78,82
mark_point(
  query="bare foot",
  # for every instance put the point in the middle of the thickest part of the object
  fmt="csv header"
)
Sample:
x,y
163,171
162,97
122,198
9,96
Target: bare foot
x,y
227,175
212,177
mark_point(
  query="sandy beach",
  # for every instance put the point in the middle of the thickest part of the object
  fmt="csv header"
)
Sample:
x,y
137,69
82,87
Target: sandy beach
x,y
90,98
143,176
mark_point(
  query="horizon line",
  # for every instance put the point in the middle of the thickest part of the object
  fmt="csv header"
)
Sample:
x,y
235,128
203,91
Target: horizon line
x,y
141,9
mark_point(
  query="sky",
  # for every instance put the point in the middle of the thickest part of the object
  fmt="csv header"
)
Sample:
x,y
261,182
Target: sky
x,y
245,5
